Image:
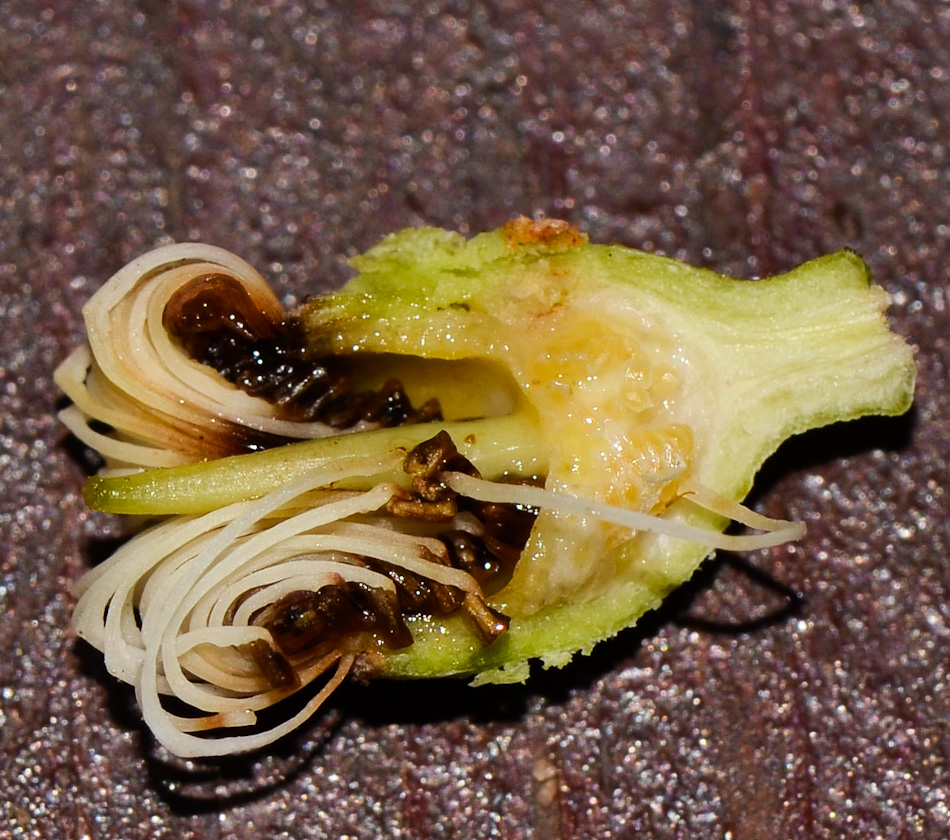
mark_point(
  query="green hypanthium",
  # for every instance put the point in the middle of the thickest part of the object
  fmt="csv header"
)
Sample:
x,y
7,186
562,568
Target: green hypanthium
x,y
478,453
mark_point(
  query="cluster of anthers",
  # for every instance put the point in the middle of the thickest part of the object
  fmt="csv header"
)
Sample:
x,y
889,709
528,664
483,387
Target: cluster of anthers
x,y
248,616
236,610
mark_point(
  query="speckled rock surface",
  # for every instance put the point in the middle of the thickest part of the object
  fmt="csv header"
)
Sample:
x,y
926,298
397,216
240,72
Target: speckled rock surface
x,y
799,693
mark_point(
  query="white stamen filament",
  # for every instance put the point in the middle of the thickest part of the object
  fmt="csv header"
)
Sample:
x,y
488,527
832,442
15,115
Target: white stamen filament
x,y
776,531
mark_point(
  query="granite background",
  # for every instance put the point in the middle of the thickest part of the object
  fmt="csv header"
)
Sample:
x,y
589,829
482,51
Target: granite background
x,y
795,693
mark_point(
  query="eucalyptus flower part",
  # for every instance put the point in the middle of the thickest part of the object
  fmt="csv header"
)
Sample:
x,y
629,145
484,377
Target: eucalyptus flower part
x,y
478,453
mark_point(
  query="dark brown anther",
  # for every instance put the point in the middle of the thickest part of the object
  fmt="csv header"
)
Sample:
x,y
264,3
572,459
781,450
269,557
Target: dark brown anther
x,y
487,622
407,505
468,553
389,406
273,665
384,606
428,412
507,528
413,592
424,463
418,595
303,619
429,459
215,303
